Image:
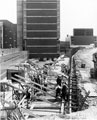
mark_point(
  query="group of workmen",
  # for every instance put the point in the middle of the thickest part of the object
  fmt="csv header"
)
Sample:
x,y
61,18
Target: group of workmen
x,y
61,86
61,89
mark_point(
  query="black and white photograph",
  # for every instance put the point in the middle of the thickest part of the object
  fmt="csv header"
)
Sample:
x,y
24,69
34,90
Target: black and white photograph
x,y
48,59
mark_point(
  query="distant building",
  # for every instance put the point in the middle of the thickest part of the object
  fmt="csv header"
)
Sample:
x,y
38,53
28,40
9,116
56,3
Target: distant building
x,y
82,37
38,27
83,32
8,34
64,46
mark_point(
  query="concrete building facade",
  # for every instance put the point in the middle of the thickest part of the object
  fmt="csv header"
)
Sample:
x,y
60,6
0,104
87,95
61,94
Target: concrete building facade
x,y
8,34
38,27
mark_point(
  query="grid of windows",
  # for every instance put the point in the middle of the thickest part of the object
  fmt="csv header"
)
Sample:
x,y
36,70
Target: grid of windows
x,y
40,23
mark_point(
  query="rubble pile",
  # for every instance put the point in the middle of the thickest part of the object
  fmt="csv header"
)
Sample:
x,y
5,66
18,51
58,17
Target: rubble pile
x,y
84,56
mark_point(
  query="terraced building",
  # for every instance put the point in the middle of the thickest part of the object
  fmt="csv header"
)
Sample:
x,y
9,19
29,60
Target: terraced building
x,y
38,27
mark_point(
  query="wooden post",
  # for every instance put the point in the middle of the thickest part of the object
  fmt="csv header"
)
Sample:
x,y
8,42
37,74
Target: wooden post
x,y
62,107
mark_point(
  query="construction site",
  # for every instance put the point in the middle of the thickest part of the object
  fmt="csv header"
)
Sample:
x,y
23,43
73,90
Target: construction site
x,y
29,90
42,78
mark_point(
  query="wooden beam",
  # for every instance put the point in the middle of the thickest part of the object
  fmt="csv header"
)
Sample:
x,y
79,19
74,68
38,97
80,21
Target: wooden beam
x,y
21,101
31,86
35,83
45,100
30,112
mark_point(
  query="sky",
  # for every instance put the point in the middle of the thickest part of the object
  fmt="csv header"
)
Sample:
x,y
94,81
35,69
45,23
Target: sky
x,y
73,14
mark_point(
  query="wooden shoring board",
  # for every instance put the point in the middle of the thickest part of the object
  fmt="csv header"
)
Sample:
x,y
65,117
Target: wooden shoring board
x,y
45,100
46,110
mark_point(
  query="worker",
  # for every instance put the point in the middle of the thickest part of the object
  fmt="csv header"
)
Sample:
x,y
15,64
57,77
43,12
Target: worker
x,y
58,86
59,80
65,92
27,94
45,72
36,80
27,98
45,83
58,91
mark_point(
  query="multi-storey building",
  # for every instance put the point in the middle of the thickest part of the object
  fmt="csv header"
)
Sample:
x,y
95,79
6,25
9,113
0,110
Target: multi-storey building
x,y
38,27
83,37
8,34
